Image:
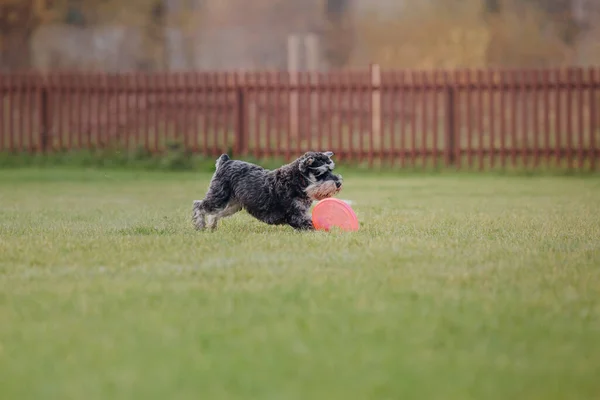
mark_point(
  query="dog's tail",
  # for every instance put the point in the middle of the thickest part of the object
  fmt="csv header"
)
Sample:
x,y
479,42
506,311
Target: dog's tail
x,y
221,160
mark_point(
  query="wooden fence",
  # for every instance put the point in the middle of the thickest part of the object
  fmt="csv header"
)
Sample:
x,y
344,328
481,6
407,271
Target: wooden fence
x,y
467,119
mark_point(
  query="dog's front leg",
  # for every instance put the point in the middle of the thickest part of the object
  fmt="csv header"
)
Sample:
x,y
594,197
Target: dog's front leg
x,y
300,220
301,224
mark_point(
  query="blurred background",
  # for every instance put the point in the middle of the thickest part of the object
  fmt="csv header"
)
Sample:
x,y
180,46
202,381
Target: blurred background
x,y
525,90
162,35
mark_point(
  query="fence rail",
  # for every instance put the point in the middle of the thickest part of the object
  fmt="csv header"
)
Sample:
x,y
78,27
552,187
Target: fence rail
x,y
468,119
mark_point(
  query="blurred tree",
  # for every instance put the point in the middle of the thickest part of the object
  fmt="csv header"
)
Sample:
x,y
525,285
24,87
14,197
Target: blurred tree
x,y
492,6
149,18
432,34
17,21
523,34
561,13
338,35
185,17
154,38
452,33
241,36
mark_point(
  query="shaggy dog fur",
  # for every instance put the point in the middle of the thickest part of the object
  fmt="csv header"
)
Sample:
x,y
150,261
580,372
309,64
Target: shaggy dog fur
x,y
276,197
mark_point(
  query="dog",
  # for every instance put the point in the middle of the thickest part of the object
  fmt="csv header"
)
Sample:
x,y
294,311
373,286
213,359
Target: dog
x,y
276,197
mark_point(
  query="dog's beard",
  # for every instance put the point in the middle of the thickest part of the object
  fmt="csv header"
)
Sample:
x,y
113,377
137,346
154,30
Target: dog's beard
x,y
322,190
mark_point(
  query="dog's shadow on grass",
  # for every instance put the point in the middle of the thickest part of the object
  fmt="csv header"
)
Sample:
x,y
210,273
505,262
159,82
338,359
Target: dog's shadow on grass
x,y
148,230
177,228
263,229
170,228
156,227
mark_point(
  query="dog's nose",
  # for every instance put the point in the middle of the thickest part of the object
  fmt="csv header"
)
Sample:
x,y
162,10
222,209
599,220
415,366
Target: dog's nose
x,y
338,184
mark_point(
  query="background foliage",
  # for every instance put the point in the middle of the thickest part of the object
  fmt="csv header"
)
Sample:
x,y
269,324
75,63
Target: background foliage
x,y
228,34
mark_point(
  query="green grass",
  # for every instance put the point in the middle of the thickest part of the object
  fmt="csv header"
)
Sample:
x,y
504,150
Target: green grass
x,y
456,287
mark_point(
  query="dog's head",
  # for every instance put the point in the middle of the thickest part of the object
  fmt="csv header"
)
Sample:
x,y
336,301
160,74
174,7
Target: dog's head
x,y
317,168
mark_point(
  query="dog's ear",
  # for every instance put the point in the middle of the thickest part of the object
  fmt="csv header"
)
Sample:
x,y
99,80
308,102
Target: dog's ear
x,y
306,162
329,154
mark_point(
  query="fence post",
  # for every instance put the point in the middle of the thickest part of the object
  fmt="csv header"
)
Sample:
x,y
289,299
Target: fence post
x,y
44,114
593,116
450,126
375,111
2,113
241,144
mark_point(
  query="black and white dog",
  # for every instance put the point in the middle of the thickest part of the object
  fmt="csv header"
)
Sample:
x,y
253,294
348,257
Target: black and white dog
x,y
276,197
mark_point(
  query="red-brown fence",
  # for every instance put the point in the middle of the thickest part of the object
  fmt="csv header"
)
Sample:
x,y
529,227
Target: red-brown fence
x,y
475,119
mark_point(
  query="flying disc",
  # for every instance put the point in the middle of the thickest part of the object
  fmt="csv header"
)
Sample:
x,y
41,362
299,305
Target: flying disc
x,y
332,212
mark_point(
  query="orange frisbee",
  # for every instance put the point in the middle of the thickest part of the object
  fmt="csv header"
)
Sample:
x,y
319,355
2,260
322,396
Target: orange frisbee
x,y
332,212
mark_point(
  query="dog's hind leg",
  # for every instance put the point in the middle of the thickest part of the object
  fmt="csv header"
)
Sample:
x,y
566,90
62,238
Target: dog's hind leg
x,y
198,215
217,204
231,208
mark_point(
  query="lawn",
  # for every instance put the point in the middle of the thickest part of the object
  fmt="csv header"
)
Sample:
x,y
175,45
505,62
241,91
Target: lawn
x,y
456,287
